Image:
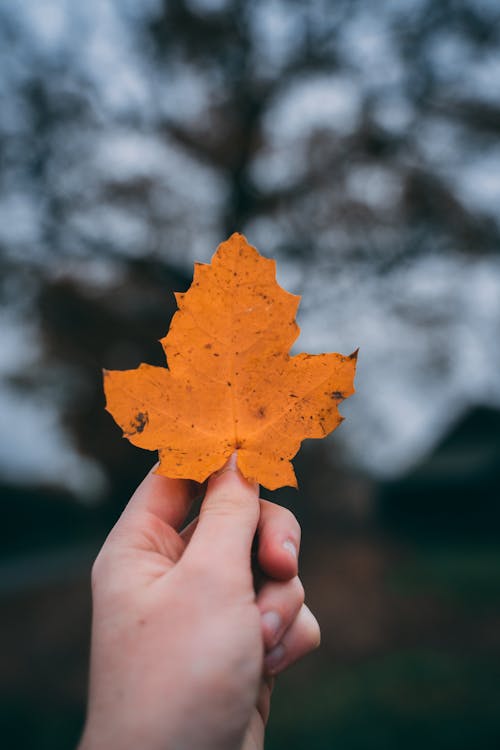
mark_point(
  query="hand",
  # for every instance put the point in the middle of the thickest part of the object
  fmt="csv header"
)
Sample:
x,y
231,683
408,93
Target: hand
x,y
183,649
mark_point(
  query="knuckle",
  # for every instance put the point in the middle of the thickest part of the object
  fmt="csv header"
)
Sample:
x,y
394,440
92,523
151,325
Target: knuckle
x,y
292,524
298,590
313,630
101,571
96,572
103,564
225,507
316,637
108,582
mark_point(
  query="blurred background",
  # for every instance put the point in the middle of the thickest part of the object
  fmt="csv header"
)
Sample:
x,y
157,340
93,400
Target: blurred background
x,y
355,141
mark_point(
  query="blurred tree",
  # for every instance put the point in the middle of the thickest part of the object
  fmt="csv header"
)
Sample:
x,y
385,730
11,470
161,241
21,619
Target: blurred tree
x,y
133,139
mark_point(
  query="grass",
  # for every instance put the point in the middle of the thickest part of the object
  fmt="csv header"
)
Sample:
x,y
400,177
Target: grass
x,y
431,698
403,700
465,575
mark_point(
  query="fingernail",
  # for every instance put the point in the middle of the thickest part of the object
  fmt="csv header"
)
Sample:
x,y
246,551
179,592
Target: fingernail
x,y
290,547
274,658
271,623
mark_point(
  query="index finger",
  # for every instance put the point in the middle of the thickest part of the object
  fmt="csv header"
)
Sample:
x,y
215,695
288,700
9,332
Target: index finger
x,y
167,499
279,541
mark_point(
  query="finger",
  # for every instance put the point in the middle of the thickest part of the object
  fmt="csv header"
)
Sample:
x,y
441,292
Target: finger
x,y
228,520
168,499
279,541
279,604
264,697
301,637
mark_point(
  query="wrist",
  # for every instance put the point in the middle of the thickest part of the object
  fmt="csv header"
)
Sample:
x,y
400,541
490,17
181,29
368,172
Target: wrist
x,y
94,739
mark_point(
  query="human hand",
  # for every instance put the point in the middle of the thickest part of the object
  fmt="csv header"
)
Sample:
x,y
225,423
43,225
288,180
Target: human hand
x,y
183,649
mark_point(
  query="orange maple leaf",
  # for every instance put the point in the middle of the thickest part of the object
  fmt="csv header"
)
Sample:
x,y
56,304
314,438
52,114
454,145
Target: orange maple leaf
x,y
231,384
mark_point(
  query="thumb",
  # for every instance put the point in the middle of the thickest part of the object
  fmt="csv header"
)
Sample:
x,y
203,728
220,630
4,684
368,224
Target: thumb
x,y
228,519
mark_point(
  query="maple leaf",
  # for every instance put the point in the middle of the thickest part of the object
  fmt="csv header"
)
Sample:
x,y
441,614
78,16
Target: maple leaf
x,y
231,384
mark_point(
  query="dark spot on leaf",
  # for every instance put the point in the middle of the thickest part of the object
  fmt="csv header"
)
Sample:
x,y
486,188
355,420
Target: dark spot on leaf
x,y
208,346
261,412
140,422
337,395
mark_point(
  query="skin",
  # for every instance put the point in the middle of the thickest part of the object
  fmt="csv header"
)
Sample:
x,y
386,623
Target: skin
x,y
184,651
